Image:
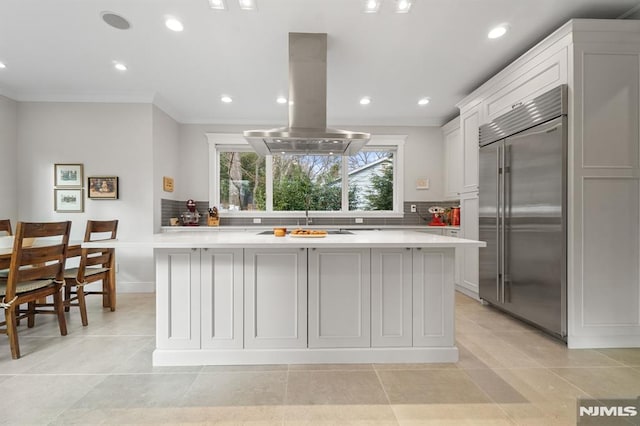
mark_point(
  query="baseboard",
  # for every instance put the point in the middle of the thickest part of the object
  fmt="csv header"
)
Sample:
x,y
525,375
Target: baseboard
x,y
600,342
472,294
169,357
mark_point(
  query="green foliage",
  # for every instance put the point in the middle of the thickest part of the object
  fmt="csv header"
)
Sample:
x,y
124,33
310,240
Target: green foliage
x,y
380,196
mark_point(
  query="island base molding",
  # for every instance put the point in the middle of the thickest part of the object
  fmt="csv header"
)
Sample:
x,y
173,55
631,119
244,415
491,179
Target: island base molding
x,y
186,357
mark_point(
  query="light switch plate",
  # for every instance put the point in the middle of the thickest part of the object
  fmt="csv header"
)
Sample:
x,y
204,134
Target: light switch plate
x,y
422,183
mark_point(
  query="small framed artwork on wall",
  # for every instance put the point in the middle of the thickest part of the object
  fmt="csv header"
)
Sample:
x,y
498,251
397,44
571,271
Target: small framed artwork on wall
x,y
68,200
68,176
103,187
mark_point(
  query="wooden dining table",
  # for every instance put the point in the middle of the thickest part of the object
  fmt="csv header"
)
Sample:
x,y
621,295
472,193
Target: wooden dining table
x,y
74,249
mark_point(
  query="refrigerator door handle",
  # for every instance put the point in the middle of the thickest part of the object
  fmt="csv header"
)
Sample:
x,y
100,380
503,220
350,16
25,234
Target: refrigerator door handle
x,y
498,223
502,197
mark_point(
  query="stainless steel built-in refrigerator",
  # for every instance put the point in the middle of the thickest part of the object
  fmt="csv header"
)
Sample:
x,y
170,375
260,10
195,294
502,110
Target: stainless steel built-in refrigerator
x,y
522,194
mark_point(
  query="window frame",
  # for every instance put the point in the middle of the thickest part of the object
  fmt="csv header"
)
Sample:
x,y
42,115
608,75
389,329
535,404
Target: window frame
x,y
225,142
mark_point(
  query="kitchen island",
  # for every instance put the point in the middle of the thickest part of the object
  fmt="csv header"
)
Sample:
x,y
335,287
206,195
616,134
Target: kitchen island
x,y
247,298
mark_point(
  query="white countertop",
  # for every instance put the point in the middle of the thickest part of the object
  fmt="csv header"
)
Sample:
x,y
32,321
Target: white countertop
x,y
261,227
251,239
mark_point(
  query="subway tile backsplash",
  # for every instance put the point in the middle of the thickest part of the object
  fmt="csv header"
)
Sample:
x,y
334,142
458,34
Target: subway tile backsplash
x,y
174,208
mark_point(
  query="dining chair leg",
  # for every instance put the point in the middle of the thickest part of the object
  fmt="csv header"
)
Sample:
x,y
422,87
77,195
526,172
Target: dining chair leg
x,y
57,302
67,296
110,284
12,331
31,318
82,304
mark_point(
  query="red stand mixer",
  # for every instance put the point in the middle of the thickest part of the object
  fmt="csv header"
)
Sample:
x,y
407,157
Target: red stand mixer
x,y
436,219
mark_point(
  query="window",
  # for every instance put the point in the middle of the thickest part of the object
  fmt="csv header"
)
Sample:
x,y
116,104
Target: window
x,y
368,183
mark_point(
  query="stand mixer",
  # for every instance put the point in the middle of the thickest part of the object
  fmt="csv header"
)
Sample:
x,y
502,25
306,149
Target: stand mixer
x,y
436,219
191,217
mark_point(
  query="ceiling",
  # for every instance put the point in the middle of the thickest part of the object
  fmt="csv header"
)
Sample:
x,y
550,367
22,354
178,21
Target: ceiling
x,y
62,51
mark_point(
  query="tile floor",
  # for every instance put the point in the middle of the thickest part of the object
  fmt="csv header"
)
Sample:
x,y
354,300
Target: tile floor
x,y
508,374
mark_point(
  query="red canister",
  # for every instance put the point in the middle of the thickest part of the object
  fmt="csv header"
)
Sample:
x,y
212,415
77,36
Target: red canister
x,y
455,216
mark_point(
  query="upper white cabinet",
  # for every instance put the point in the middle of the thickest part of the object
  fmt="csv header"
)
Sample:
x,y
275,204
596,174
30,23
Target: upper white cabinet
x,y
339,298
275,298
453,156
469,126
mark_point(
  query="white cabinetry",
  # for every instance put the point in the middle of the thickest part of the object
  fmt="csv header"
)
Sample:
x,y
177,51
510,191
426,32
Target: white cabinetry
x,y
204,307
391,289
339,298
275,292
458,260
453,155
432,295
469,272
469,126
221,280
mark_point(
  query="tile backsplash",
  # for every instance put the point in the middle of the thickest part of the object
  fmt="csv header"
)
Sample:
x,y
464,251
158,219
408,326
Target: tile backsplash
x,y
174,208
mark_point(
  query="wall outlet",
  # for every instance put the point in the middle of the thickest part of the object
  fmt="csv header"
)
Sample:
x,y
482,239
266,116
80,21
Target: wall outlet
x,y
359,220
414,208
257,220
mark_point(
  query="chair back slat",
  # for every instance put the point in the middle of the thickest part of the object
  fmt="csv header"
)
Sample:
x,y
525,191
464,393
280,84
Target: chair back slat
x,y
41,261
101,257
5,226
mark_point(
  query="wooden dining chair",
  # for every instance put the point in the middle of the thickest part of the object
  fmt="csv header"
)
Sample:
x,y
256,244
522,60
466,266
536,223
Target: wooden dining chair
x,y
5,227
36,272
95,265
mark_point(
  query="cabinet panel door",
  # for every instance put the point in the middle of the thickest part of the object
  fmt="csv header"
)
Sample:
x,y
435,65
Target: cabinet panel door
x,y
221,303
339,298
453,164
391,307
433,297
178,298
275,292
470,125
469,273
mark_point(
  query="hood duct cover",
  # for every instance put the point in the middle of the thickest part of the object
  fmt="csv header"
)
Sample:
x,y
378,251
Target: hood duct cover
x,y
307,132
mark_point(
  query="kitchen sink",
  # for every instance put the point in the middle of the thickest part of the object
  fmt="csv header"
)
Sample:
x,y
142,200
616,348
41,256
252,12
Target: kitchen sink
x,y
332,232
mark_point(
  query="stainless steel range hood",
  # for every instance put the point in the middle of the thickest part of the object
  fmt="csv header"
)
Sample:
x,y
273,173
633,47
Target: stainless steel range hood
x,y
307,132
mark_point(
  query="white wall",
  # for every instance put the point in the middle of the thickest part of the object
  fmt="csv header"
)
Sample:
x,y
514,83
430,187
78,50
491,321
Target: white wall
x,y
423,155
165,160
8,157
109,139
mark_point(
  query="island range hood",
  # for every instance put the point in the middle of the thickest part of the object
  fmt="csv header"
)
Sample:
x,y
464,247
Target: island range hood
x,y
307,132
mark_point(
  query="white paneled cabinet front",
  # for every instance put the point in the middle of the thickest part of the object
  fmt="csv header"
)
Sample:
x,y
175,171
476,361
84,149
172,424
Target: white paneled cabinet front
x,y
275,293
221,298
391,289
178,276
433,294
339,298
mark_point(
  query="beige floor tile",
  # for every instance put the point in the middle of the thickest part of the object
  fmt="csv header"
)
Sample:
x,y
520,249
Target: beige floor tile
x,y
334,387
467,359
243,368
451,414
227,389
141,362
36,399
495,352
423,366
378,415
330,367
495,387
431,387
627,356
604,382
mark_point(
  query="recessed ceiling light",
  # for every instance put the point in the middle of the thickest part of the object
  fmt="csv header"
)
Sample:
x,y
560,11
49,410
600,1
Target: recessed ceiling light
x,y
2,65
114,20
498,31
226,99
424,101
174,25
281,100
365,101
247,4
403,6
371,6
217,4
120,66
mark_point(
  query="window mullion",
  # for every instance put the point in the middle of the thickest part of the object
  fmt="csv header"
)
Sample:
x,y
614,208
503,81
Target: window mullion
x,y
345,183
269,182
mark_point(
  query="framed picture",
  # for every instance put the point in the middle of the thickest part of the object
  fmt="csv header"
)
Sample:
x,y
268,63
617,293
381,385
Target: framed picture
x,y
68,176
68,200
103,187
